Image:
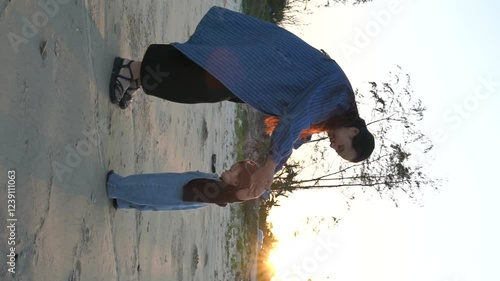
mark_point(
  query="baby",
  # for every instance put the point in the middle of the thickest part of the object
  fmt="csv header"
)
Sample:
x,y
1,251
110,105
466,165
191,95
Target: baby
x,y
182,191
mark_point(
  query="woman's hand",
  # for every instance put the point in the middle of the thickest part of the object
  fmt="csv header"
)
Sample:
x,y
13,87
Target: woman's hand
x,y
261,180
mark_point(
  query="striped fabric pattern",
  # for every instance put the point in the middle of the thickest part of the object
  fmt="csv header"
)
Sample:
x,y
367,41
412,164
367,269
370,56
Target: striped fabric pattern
x,y
272,70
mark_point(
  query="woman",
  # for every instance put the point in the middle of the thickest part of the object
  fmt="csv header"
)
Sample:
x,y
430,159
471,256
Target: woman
x,y
234,57
182,191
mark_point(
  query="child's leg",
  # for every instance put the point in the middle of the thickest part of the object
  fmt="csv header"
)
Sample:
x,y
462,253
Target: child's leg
x,y
112,181
122,204
151,191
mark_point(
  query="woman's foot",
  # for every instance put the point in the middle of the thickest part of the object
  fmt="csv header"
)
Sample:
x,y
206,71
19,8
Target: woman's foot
x,y
122,77
128,97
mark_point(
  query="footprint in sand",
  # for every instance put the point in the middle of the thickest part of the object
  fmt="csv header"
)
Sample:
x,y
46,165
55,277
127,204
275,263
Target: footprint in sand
x,y
196,260
205,259
75,273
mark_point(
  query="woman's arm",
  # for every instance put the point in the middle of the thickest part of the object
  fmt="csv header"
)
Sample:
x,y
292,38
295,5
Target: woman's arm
x,y
260,181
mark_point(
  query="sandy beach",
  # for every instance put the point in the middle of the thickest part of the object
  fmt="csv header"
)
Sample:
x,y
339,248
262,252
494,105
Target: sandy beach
x,y
60,135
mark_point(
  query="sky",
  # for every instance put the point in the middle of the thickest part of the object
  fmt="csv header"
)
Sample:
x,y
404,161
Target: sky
x,y
450,49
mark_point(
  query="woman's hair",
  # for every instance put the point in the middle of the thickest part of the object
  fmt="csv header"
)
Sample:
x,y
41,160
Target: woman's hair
x,y
344,120
363,142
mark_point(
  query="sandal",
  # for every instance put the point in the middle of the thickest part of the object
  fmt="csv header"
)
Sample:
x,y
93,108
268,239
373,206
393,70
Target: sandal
x,y
129,95
116,88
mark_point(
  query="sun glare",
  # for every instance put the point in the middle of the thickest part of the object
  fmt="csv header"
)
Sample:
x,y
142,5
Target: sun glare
x,y
283,256
278,263
278,259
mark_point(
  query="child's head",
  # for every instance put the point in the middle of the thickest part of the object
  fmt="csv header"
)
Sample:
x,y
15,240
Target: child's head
x,y
239,174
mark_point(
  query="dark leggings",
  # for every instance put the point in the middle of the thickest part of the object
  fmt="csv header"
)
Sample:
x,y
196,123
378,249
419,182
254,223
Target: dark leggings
x,y
168,74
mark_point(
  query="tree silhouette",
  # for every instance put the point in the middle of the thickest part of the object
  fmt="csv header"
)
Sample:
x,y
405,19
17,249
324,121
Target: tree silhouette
x,y
397,165
291,12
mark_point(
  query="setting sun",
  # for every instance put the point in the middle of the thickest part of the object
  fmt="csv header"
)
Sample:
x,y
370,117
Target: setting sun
x,y
278,258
